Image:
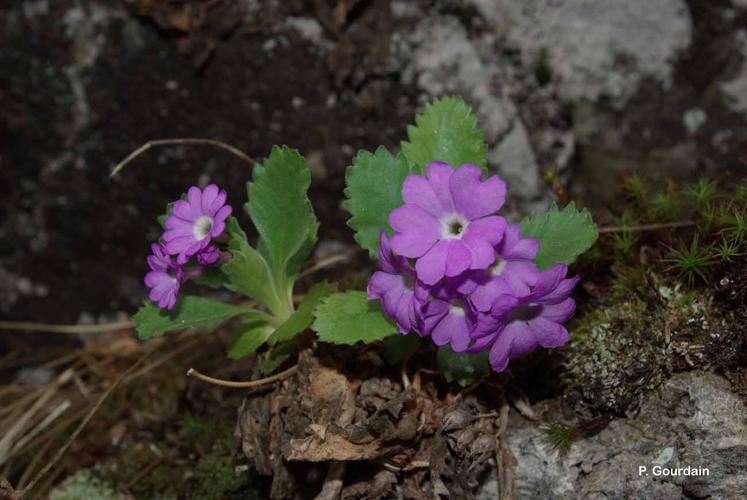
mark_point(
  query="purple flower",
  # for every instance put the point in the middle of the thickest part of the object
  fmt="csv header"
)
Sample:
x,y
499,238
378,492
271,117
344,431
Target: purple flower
x,y
196,221
447,221
448,317
164,278
520,324
402,297
208,256
512,273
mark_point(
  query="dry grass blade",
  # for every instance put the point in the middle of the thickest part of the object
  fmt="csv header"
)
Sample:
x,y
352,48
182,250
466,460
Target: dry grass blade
x,y
19,425
80,427
66,329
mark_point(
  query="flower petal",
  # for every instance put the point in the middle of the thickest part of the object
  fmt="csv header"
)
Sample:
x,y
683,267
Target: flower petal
x,y
560,312
458,258
438,174
473,197
430,267
490,229
416,190
549,334
183,210
194,196
217,203
208,196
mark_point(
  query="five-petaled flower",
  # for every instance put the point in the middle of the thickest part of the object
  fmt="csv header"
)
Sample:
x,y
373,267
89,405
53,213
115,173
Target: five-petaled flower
x,y
196,221
447,222
165,277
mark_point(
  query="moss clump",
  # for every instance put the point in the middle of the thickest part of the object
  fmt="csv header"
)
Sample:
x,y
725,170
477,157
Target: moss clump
x,y
621,350
84,484
615,354
215,477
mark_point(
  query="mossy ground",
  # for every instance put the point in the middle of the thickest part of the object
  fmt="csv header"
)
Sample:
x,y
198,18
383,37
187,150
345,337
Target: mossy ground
x,y
664,292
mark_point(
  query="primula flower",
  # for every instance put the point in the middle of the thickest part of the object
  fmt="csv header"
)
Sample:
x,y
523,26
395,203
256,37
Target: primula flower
x,y
512,273
208,256
164,278
194,222
448,317
447,221
395,284
523,323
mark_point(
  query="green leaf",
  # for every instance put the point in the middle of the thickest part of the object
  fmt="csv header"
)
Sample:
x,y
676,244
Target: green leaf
x,y
248,273
347,318
373,189
279,207
276,357
463,368
296,262
447,131
233,229
189,312
304,315
563,234
248,338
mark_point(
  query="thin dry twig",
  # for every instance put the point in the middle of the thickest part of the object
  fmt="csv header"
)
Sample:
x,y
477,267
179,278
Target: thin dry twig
x,y
329,261
504,457
242,385
181,141
646,227
67,329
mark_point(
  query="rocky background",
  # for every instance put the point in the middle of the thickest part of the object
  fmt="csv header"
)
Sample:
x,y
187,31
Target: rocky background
x,y
580,91
586,89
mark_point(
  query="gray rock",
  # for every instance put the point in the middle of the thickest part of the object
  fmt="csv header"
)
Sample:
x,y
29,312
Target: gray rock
x,y
693,420
735,88
441,58
597,48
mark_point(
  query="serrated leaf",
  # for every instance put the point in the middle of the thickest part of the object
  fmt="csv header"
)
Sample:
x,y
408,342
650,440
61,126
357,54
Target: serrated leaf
x,y
373,189
249,274
563,234
347,318
447,131
248,338
276,357
279,207
189,312
463,368
304,315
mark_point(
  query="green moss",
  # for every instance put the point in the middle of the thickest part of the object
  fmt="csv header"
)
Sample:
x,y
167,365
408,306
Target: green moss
x,y
622,350
84,484
215,477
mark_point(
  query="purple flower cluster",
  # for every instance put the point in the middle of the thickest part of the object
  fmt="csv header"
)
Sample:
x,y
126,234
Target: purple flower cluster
x,y
191,228
457,272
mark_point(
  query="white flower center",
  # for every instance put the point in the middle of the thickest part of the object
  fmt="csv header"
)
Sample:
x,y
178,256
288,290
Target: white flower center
x,y
203,226
498,268
453,227
456,308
